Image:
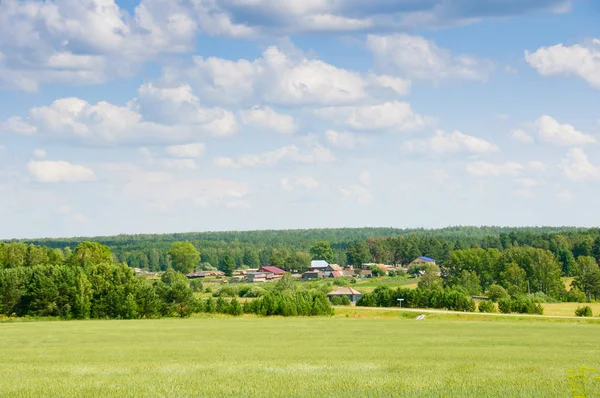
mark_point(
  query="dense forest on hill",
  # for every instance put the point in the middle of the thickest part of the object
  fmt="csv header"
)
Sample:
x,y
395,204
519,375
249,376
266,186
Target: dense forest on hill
x,y
271,247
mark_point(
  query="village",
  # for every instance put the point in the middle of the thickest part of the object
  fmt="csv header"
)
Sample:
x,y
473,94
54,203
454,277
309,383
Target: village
x,y
318,270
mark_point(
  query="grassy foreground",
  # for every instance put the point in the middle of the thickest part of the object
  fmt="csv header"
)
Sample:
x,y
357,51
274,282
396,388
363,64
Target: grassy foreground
x,y
295,357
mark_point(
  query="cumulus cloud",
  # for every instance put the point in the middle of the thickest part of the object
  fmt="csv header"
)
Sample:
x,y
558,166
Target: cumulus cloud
x,y
267,118
344,139
398,85
582,60
358,193
394,116
419,58
486,169
59,171
551,131
290,153
74,42
161,115
194,150
291,184
456,142
278,77
39,154
522,136
577,167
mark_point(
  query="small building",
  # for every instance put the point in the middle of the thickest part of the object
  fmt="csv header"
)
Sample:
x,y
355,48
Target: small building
x,y
366,273
311,275
336,274
348,272
352,294
203,274
422,260
256,277
319,265
272,270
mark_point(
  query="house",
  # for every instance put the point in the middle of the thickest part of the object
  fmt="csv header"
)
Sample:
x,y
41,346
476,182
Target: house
x,y
256,277
311,275
319,265
348,272
273,270
422,260
336,274
334,267
352,294
366,274
203,274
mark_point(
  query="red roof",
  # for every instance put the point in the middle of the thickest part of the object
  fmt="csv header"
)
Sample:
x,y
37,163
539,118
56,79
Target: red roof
x,y
274,270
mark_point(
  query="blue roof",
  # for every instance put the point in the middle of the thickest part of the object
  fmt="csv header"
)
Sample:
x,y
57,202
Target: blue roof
x,y
427,259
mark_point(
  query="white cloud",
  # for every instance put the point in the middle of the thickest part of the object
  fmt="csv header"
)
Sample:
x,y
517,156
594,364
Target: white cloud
x,y
344,139
267,118
551,131
537,166
359,193
527,182
582,60
365,178
291,184
291,153
177,164
565,196
59,171
161,191
39,154
419,58
393,116
193,150
486,169
456,142
522,136
577,167
285,78
75,42
161,115
398,85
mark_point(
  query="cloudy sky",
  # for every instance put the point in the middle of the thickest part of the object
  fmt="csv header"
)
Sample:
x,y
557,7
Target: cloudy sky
x,y
191,115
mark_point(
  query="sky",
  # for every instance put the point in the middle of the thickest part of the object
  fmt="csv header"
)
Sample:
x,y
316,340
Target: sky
x,y
160,116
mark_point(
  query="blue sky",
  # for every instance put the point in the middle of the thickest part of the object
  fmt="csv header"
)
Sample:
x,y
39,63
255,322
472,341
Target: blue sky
x,y
191,115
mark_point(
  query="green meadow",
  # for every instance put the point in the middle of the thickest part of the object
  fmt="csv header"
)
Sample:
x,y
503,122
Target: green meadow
x,y
338,356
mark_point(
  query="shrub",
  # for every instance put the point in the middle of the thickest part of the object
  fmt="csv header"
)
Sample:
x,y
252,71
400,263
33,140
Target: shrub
x,y
226,291
340,300
487,306
196,285
497,292
504,305
235,308
340,282
575,296
584,311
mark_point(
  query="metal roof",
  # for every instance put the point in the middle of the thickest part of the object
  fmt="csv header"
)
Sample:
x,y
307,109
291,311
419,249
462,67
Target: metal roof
x,y
342,291
319,264
427,259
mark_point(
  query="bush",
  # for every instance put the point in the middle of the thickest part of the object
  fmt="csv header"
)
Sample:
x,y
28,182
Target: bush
x,y
235,308
226,291
487,306
497,292
575,296
196,285
340,282
504,305
340,300
584,311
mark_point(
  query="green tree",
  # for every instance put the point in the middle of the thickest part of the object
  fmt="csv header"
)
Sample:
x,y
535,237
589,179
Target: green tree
x,y
497,292
431,280
358,254
88,254
184,257
227,264
322,251
469,280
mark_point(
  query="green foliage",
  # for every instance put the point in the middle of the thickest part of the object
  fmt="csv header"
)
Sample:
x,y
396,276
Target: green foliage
x,y
575,296
235,308
431,279
226,291
584,311
448,299
227,265
322,251
340,300
184,257
377,271
487,306
520,306
303,303
496,293
196,285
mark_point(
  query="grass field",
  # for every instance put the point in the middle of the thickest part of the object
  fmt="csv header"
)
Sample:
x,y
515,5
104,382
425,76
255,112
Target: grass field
x,y
568,309
339,356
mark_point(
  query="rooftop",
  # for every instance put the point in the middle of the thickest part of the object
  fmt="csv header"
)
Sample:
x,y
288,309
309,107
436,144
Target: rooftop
x,y
319,264
344,291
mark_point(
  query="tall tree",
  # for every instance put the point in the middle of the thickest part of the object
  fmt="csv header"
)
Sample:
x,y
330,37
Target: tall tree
x,y
227,264
184,257
322,251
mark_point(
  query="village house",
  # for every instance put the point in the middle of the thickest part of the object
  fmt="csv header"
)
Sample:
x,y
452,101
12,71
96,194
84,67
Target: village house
x,y
272,270
422,261
352,294
318,265
312,275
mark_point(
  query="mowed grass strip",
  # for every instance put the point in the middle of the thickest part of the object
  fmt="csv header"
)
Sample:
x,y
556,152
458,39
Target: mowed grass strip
x,y
294,357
